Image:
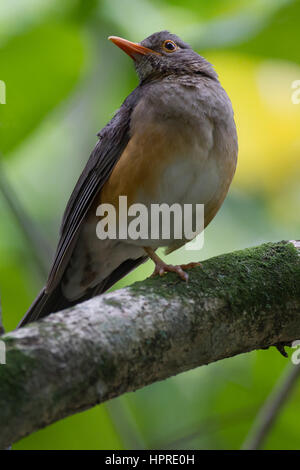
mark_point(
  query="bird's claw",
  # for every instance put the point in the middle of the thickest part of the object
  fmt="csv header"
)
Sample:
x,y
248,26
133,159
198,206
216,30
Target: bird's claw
x,y
162,268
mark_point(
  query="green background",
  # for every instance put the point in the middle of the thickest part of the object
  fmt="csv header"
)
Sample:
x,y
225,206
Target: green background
x,y
64,81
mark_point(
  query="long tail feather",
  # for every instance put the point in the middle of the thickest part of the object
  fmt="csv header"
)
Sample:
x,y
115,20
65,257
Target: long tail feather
x,y
52,302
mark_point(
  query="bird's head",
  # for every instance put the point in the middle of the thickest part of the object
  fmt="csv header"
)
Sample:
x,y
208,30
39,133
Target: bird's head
x,y
163,54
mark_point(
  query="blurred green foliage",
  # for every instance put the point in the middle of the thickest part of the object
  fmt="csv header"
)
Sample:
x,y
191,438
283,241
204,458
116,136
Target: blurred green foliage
x,y
64,81
33,92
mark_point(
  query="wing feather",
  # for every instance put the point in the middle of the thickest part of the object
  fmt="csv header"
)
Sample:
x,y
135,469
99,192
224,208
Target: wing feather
x,y
112,141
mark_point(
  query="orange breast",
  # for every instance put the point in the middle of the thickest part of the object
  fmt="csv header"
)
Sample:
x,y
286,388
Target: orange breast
x,y
163,160
141,164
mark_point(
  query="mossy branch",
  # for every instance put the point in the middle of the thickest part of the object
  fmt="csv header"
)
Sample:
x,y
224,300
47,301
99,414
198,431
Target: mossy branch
x,y
154,329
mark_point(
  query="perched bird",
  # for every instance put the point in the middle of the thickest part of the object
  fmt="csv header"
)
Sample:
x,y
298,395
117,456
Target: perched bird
x,y
173,140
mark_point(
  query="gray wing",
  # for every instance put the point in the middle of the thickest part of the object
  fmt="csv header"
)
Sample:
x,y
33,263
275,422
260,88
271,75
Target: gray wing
x,y
112,141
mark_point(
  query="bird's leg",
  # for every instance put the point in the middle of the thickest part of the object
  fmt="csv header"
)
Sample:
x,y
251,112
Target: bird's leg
x,y
161,267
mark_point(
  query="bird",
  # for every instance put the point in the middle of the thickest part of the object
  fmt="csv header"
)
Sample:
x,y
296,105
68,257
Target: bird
x,y
173,140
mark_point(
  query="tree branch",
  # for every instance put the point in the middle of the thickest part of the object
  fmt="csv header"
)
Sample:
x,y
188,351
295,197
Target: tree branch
x,y
124,340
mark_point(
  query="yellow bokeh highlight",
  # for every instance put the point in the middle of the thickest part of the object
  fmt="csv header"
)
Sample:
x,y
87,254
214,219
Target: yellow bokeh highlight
x,y
268,122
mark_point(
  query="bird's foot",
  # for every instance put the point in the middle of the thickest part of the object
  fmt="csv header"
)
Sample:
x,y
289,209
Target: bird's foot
x,y
162,268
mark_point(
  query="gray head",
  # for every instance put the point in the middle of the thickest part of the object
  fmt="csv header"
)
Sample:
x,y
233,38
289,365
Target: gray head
x,y
163,54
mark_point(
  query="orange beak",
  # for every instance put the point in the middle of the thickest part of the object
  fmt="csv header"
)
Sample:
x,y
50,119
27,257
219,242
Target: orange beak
x,y
131,48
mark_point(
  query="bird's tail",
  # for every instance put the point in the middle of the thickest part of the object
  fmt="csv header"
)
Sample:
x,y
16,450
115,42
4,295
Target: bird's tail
x,y
54,301
44,304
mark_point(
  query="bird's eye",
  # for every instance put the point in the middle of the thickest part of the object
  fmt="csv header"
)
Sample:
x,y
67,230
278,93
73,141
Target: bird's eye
x,y
169,46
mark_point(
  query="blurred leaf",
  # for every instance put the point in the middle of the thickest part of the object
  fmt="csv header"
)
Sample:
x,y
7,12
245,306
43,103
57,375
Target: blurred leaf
x,y
144,17
82,10
18,15
208,9
280,36
264,29
40,68
233,28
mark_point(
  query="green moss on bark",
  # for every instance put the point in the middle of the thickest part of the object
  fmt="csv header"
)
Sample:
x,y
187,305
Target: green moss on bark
x,y
17,365
236,278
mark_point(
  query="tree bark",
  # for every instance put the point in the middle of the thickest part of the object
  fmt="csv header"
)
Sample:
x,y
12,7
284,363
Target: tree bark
x,y
151,330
